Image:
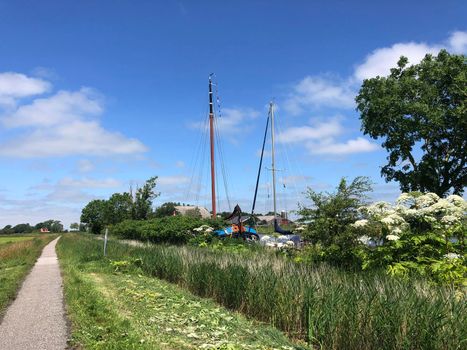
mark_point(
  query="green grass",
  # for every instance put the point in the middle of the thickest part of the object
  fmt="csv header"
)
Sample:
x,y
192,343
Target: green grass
x,y
329,308
11,239
113,304
17,255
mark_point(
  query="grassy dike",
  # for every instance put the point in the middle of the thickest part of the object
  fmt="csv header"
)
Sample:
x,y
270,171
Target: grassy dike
x,y
114,304
17,256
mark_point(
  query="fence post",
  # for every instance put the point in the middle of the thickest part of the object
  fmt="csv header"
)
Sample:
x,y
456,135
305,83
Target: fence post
x,y
105,240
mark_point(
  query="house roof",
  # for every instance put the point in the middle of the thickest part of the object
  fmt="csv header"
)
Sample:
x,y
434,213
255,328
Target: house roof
x,y
182,209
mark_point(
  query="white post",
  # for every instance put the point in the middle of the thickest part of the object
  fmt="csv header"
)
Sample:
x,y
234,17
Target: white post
x,y
105,240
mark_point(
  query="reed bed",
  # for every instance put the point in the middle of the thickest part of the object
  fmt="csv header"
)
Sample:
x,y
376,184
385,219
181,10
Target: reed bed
x,y
327,307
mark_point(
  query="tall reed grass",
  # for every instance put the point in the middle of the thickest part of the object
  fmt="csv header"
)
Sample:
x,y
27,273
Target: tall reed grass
x,y
327,307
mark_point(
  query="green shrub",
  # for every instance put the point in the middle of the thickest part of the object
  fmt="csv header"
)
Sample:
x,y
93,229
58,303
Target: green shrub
x,y
170,229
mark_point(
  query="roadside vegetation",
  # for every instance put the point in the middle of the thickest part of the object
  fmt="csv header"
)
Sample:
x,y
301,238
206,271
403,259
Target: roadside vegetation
x,y
17,256
369,275
115,303
324,306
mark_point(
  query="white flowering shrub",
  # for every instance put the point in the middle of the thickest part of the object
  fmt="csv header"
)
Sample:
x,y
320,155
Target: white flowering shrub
x,y
420,232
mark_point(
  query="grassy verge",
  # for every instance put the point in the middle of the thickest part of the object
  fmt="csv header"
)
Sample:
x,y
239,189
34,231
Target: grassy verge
x,y
113,304
330,309
17,255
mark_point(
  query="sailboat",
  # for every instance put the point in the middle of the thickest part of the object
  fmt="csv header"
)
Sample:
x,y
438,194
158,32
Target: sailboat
x,y
273,169
236,219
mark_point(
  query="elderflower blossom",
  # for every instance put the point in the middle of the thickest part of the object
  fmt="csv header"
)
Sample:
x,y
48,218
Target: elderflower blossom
x,y
451,256
449,220
458,201
426,200
203,228
405,198
393,219
392,237
360,223
364,239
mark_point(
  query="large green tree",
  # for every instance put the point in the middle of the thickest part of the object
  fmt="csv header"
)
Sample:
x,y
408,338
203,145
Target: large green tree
x,y
93,215
142,203
118,208
419,113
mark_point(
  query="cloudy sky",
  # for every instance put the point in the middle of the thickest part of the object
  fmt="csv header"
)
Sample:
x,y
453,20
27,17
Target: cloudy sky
x,y
97,96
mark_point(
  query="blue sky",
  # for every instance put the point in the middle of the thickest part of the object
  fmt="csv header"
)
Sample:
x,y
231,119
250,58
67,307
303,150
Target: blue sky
x,y
96,96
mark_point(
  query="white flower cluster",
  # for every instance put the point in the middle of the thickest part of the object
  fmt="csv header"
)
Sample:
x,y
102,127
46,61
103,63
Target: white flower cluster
x,y
442,214
204,228
452,256
278,243
360,223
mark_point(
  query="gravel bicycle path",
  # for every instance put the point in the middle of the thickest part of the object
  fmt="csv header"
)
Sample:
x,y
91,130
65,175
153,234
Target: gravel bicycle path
x,y
36,319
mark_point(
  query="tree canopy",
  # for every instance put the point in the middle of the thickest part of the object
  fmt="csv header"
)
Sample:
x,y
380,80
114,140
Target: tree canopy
x,y
419,113
120,206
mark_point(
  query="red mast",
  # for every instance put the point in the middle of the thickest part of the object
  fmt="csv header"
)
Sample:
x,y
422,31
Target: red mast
x,y
211,131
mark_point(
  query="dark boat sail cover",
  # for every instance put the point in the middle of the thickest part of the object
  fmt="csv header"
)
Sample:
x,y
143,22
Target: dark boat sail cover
x,y
280,230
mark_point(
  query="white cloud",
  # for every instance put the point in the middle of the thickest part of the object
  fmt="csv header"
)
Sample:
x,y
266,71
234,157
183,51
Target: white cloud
x,y
61,125
180,164
358,145
231,122
172,180
63,107
322,138
18,85
380,61
458,42
313,92
320,130
318,91
85,165
87,182
76,138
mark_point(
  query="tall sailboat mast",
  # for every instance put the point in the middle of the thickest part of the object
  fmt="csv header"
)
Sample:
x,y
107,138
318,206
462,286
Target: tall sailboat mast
x,y
273,169
211,133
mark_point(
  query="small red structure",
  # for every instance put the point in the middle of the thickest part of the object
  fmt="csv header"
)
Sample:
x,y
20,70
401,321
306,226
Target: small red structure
x,y
44,230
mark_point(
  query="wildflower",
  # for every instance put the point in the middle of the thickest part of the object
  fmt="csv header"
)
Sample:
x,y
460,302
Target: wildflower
x,y
392,237
449,219
427,199
360,223
451,256
456,200
393,219
364,239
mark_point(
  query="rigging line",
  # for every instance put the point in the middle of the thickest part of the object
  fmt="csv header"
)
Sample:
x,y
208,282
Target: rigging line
x,y
202,164
220,150
194,160
286,151
222,161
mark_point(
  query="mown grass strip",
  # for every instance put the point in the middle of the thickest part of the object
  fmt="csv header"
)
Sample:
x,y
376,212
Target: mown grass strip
x,y
17,256
112,305
331,309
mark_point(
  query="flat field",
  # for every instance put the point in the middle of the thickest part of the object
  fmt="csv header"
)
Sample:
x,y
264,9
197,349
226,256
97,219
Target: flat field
x,y
14,238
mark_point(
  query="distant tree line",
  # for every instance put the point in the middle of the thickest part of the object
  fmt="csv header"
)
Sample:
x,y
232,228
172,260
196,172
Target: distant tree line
x,y
50,225
99,213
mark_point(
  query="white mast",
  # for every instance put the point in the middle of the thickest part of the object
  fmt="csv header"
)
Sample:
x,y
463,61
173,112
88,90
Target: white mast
x,y
273,169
